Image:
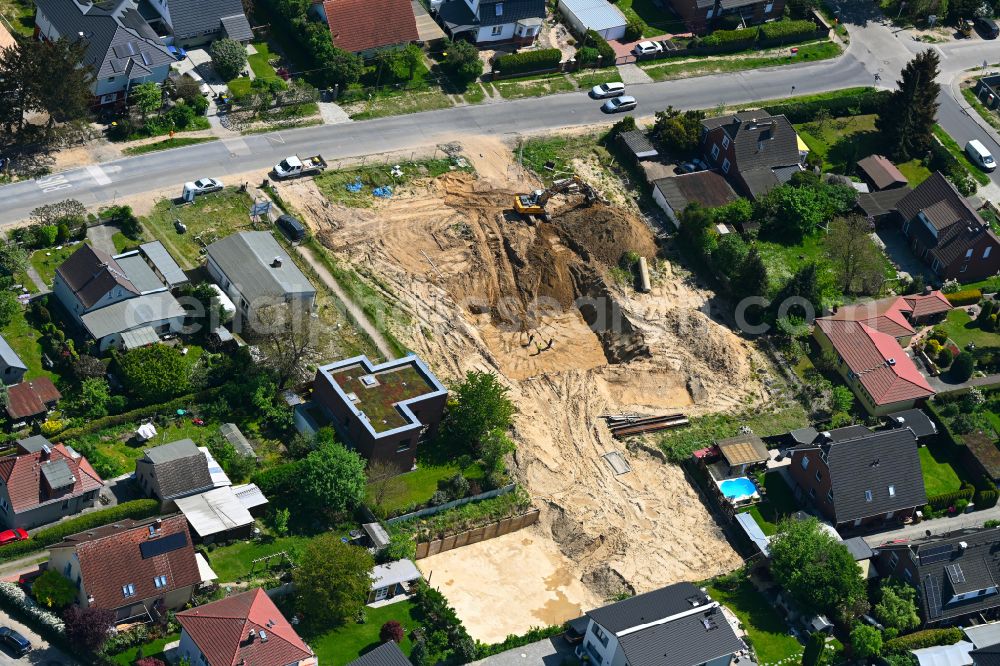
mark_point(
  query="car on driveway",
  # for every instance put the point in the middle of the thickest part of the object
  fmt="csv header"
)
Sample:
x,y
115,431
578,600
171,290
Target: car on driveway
x,y
10,536
610,89
647,48
177,52
623,103
987,27
206,185
14,641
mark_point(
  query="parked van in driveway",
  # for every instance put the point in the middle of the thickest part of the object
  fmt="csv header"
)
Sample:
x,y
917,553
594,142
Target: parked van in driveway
x,y
979,155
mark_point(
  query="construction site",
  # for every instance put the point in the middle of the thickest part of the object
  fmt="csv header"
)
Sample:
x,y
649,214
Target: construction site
x,y
540,300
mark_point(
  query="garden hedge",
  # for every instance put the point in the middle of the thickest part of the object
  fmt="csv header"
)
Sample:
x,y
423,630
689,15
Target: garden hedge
x,y
731,38
591,46
857,101
964,297
136,509
923,639
986,499
528,61
533,635
787,30
945,500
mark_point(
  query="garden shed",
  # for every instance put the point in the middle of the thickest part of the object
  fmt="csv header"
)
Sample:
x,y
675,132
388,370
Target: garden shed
x,y
598,15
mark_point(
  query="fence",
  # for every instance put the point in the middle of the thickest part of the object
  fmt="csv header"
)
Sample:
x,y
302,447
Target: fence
x,y
469,537
988,91
431,510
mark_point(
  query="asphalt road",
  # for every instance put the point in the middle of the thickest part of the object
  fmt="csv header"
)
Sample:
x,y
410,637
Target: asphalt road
x,y
874,49
42,654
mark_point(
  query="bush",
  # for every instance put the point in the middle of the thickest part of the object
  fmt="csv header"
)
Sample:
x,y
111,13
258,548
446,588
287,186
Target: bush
x,y
986,499
788,31
633,30
964,297
16,602
944,357
734,39
391,631
851,102
946,500
528,61
962,367
924,639
594,45
229,57
533,635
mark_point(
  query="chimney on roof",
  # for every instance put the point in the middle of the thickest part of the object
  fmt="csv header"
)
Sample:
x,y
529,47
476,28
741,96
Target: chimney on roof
x,y
45,452
276,263
891,361
252,635
962,545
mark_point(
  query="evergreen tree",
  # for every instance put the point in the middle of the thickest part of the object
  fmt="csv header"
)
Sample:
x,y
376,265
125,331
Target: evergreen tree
x,y
751,280
907,120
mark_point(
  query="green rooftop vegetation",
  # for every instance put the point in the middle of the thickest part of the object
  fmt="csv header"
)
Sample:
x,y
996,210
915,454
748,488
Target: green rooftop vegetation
x,y
378,402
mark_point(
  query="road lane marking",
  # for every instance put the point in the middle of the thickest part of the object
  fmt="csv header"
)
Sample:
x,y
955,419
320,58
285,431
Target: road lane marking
x,y
236,146
53,183
97,173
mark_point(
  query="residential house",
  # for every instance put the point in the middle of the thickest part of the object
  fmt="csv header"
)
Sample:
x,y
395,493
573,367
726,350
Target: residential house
x,y
880,173
123,50
700,15
383,411
678,625
755,151
244,628
979,647
915,419
178,469
872,479
392,579
221,514
947,233
867,341
955,574
365,28
42,482
254,271
196,22
491,22
386,654
138,569
120,301
705,188
32,399
12,368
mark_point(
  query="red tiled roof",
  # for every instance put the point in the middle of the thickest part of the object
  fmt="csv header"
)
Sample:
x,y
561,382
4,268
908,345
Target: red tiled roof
x,y
360,25
111,556
31,398
26,485
881,365
221,630
924,305
886,315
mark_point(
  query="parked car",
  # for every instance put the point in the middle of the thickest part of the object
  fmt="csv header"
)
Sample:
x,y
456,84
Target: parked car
x,y
623,103
987,28
206,185
177,52
647,48
610,89
294,229
10,536
685,167
699,164
980,156
14,641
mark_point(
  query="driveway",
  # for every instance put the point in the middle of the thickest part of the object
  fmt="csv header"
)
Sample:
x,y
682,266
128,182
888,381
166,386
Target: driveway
x,y
42,653
902,256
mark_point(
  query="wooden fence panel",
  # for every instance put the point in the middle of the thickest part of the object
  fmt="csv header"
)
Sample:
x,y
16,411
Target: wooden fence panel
x,y
476,535
422,549
461,540
433,548
491,531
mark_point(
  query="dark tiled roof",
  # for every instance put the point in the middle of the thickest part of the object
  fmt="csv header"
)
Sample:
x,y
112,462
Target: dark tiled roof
x,y
915,420
956,240
31,398
648,607
191,18
987,656
859,549
877,204
941,203
222,631
881,172
181,469
91,273
885,464
387,654
362,25
237,27
847,432
707,188
984,449
456,13
763,146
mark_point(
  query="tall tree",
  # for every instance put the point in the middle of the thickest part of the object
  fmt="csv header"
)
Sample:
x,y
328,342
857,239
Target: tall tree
x,y
229,57
855,256
897,606
332,581
481,404
907,120
334,479
678,131
288,339
751,279
146,97
62,83
463,61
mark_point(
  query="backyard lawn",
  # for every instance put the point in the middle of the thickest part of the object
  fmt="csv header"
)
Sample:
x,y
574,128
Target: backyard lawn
x,y
210,217
345,644
234,561
19,14
941,468
962,329
416,487
47,261
766,627
24,340
779,503
151,649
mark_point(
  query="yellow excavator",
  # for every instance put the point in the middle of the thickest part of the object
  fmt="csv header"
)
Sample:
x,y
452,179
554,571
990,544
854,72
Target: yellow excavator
x,y
533,204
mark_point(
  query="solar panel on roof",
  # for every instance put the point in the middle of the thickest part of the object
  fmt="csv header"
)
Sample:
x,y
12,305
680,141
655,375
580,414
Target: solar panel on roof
x,y
131,48
933,596
162,545
935,554
146,60
955,573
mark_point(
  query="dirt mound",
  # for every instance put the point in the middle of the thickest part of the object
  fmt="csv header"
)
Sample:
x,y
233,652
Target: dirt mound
x,y
604,233
716,347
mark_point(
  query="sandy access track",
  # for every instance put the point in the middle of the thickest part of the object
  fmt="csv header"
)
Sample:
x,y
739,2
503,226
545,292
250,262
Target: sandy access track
x,y
483,290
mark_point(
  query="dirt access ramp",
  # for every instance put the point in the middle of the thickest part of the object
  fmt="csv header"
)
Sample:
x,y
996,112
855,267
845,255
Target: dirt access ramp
x,y
483,290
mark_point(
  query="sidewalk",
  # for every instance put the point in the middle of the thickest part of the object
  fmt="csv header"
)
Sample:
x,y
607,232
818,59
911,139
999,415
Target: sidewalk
x,y
991,191
937,526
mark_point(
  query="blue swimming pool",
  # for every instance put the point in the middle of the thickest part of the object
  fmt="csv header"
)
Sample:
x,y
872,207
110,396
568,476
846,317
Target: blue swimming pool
x,y
736,488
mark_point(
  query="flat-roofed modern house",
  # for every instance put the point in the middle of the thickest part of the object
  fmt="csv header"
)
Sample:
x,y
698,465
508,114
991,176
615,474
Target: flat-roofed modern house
x,y
383,411
678,625
253,271
12,368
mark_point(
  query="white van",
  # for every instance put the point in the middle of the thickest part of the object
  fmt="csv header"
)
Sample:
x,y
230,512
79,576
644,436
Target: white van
x,y
979,155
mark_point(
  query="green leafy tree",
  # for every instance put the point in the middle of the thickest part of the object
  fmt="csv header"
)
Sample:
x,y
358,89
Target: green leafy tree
x,y
697,229
736,213
813,654
481,405
279,521
808,284
147,98
897,606
335,66
463,61
858,261
13,257
866,642
817,570
9,307
907,121
153,374
53,590
751,278
678,131
60,82
332,580
842,399
962,367
229,57
333,479
729,254
794,212
93,397
494,447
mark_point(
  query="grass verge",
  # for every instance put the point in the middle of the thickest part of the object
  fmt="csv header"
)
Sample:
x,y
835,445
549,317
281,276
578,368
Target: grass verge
x,y
977,104
167,144
959,154
807,53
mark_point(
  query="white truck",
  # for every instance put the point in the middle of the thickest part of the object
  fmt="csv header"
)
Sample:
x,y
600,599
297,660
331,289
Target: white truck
x,y
294,166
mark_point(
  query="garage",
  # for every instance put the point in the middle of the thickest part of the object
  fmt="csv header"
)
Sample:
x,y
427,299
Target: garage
x,y
598,15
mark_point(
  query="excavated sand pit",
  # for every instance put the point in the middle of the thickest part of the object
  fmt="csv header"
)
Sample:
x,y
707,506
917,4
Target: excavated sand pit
x,y
487,291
